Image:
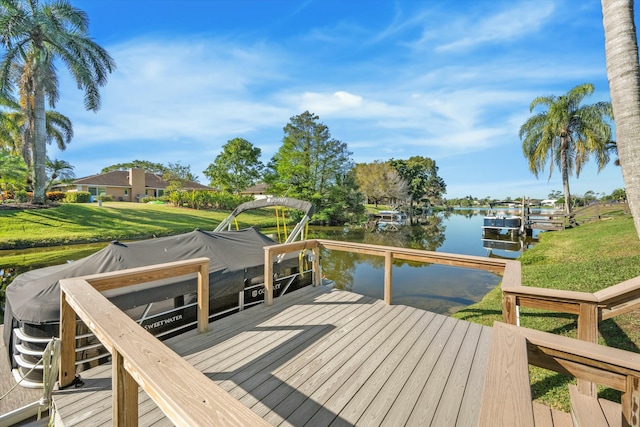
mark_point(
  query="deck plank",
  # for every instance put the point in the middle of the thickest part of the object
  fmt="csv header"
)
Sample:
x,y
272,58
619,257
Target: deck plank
x,y
410,393
323,357
473,391
447,409
387,395
309,361
293,375
429,400
297,407
383,375
353,374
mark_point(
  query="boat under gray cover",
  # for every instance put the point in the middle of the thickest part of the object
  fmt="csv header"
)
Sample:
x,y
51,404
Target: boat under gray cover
x,y
34,297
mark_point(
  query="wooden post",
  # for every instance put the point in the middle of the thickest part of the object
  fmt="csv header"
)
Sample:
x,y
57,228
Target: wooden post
x,y
509,308
388,266
125,394
588,331
67,342
630,403
317,277
268,277
203,298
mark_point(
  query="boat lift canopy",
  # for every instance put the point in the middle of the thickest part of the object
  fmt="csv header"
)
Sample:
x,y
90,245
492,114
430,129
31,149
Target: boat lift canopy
x,y
306,207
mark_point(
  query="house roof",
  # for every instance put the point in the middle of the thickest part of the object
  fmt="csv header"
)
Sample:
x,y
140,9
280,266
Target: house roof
x,y
121,179
260,188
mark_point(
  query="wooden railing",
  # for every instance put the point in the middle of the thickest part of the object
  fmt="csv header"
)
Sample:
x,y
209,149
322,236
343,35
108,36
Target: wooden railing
x,y
184,394
590,308
510,270
506,398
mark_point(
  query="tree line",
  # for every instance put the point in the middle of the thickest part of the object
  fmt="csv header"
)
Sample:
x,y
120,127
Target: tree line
x,y
312,165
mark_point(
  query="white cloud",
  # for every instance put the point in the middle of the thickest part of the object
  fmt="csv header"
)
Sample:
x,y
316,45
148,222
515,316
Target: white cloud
x,y
504,26
321,103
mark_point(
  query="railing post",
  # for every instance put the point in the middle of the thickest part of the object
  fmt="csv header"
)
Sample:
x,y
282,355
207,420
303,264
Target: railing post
x,y
67,342
268,277
509,308
203,298
630,402
588,331
388,275
125,394
317,277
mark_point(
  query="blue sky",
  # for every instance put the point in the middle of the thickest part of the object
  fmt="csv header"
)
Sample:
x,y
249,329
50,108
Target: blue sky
x,y
450,80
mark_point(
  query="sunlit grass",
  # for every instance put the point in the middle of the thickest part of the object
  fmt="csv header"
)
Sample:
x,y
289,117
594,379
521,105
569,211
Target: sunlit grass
x,y
82,223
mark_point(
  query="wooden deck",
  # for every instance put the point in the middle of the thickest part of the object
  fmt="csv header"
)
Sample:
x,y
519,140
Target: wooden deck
x,y
322,357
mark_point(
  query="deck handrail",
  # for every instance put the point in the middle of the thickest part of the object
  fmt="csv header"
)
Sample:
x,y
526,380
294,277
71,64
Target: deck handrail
x,y
509,269
590,308
183,393
506,397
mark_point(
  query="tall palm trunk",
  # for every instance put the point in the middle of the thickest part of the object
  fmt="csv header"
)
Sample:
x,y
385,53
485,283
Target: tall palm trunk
x,y
623,71
39,148
564,161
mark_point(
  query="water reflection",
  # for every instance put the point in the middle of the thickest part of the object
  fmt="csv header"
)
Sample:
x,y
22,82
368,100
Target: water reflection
x,y
432,287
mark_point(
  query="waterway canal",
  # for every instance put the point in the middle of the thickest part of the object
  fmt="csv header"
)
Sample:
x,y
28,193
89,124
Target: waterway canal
x,y
436,288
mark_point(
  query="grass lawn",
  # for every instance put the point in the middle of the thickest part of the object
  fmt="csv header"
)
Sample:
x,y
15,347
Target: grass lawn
x,y
587,258
83,223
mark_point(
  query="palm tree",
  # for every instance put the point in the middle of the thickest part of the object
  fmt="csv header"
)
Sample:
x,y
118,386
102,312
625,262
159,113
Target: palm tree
x,y
623,71
59,169
34,37
11,122
567,134
13,173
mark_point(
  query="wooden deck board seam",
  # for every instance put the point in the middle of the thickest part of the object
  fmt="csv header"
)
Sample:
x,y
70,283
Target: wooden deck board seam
x,y
319,378
332,400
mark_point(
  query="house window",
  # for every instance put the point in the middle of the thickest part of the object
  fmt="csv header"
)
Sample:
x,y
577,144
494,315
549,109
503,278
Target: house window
x,y
160,193
96,191
126,192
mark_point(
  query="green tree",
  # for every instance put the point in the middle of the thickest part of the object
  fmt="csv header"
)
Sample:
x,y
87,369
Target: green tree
x,y
175,171
589,197
13,137
380,181
555,194
236,168
421,175
178,176
345,203
309,163
60,170
11,122
618,194
567,134
13,173
623,71
149,167
35,36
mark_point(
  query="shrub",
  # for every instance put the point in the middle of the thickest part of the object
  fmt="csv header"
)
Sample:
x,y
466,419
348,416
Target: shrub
x,y
147,199
104,197
55,196
204,199
77,197
21,196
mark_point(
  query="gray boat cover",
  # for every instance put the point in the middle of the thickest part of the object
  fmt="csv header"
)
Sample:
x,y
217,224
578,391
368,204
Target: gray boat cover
x,y
34,296
306,207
